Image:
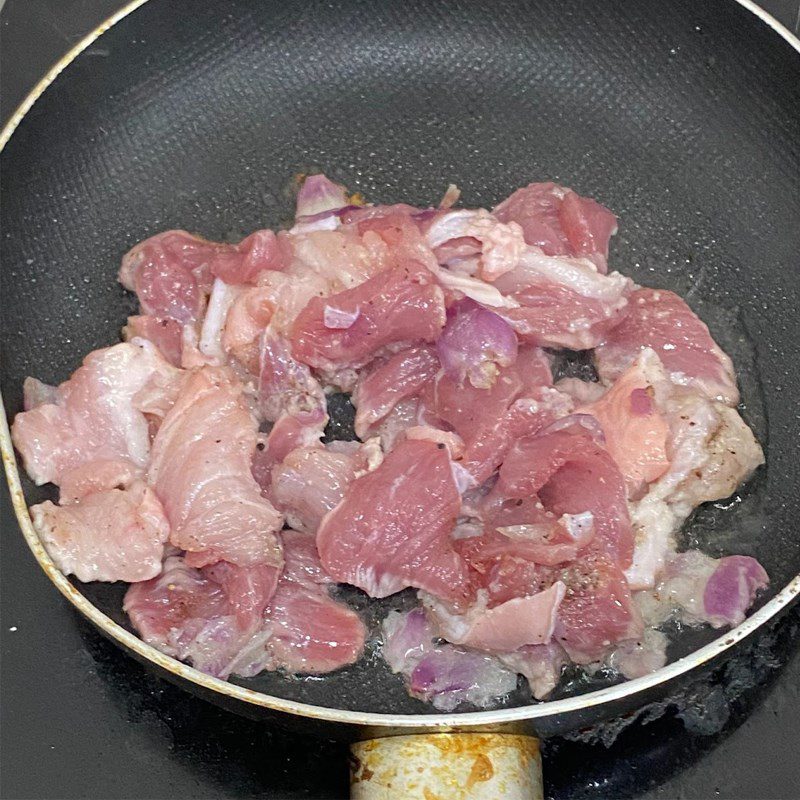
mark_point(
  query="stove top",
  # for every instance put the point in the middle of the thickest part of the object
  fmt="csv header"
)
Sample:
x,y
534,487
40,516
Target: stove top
x,y
81,719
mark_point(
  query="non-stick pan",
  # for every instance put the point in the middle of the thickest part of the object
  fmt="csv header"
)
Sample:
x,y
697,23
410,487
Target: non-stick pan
x,y
682,117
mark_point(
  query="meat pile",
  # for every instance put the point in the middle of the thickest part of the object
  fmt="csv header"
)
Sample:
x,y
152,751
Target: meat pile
x,y
535,519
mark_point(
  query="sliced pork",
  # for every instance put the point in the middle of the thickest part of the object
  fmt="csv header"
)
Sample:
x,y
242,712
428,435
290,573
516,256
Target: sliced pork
x,y
402,375
200,468
397,305
391,529
662,321
95,414
110,535
563,302
310,481
560,221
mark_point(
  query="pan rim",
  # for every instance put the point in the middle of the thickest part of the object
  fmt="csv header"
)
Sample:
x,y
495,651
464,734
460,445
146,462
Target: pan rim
x,y
449,721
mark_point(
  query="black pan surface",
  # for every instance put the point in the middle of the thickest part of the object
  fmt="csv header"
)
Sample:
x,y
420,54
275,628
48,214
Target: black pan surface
x,y
683,118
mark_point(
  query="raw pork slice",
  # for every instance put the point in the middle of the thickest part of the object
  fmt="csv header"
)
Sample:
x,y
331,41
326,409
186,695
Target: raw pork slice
x,y
95,414
304,429
598,610
563,302
503,628
572,473
187,615
248,590
285,385
97,476
165,333
636,431
396,305
305,629
482,416
310,481
560,221
392,528
662,321
399,377
112,535
200,468
172,272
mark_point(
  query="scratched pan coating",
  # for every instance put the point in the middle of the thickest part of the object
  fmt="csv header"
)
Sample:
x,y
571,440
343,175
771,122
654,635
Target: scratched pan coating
x,y
684,118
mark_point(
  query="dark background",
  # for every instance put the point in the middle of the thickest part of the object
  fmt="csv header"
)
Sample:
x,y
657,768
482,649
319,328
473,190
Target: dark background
x,y
79,719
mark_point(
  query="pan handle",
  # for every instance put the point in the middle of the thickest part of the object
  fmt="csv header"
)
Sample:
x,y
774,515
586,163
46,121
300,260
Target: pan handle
x,y
447,766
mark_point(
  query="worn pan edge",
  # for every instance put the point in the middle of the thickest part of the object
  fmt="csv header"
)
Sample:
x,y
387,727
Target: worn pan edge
x,y
373,720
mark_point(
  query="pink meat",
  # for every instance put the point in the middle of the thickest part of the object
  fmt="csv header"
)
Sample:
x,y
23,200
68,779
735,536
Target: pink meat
x,y
172,271
309,482
399,377
111,535
635,430
661,320
35,393
309,631
186,614
247,317
560,221
597,611
164,271
396,305
200,468
523,417
97,476
524,532
503,628
244,262
248,590
392,528
96,414
165,333
285,385
304,429
563,302
484,418
571,473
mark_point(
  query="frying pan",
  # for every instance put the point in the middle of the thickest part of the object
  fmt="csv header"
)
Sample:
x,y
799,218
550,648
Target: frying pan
x,y
684,118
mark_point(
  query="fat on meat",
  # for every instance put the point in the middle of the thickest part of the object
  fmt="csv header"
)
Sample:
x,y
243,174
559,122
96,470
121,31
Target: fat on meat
x,y
200,467
95,414
562,301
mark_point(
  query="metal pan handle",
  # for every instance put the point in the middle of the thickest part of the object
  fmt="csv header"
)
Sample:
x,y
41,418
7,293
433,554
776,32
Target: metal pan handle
x,y
447,766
